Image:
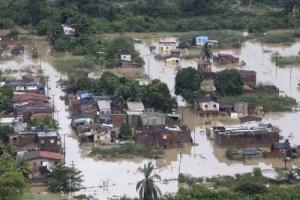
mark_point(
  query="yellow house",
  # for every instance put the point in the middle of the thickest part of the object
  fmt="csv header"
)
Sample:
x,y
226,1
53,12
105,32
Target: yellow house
x,y
165,48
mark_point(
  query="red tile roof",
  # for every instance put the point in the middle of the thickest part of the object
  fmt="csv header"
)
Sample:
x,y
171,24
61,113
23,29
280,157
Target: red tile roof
x,y
43,154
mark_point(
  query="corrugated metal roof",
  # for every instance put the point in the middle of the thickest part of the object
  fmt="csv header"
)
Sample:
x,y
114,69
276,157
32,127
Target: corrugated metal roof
x,y
135,106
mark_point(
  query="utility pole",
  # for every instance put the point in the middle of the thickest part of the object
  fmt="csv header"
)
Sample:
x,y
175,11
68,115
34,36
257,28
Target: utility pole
x,y
149,68
64,148
291,77
180,157
181,116
53,107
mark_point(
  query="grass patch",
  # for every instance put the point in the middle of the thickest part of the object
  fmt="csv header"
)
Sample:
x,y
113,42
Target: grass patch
x,y
126,151
226,38
287,60
30,196
74,63
279,38
270,102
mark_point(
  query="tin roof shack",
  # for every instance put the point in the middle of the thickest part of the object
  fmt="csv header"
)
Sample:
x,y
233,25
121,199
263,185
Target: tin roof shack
x,y
249,77
42,162
125,61
225,59
163,136
253,135
166,47
29,84
134,111
82,120
241,108
206,104
173,118
104,107
204,66
49,140
153,119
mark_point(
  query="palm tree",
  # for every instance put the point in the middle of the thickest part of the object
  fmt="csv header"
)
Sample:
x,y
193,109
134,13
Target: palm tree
x,y
146,187
206,53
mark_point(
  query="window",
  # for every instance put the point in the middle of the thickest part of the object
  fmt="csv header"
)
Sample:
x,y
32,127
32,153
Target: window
x,y
206,106
14,139
165,137
52,141
215,105
42,142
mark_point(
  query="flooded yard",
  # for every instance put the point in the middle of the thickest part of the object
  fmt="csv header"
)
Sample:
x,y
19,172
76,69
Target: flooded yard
x,y
107,179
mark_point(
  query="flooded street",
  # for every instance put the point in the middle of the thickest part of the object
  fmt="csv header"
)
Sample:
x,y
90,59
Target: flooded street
x,y
107,179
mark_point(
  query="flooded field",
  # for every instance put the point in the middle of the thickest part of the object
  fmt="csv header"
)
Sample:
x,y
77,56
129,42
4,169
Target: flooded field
x,y
108,179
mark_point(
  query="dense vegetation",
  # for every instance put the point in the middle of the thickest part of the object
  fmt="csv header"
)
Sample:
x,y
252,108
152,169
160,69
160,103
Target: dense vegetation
x,y
270,102
155,95
145,15
187,84
125,151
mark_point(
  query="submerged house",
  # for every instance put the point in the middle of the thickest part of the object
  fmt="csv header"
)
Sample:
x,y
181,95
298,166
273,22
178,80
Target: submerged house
x,y
134,111
204,66
42,162
225,59
248,76
174,58
125,61
250,135
206,104
165,48
163,136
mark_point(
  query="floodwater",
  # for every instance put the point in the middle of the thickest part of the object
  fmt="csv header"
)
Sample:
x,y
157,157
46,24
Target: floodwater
x,y
110,179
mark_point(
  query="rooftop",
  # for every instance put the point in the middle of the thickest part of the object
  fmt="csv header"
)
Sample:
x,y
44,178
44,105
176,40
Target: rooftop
x,y
104,104
135,106
42,154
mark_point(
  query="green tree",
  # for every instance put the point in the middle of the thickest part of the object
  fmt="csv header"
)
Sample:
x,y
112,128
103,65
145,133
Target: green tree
x,y
206,53
257,172
41,123
249,188
12,182
125,132
228,82
4,132
147,188
6,95
187,84
157,95
66,179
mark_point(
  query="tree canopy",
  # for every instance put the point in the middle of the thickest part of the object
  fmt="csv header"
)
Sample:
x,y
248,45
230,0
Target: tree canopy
x,y
187,84
228,82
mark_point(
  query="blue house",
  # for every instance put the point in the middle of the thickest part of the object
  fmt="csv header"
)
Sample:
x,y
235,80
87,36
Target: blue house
x,y
201,40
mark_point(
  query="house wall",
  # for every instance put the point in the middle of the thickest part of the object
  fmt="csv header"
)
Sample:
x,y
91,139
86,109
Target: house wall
x,y
152,120
246,140
173,61
166,49
22,140
118,120
49,144
241,109
164,139
36,164
204,68
209,106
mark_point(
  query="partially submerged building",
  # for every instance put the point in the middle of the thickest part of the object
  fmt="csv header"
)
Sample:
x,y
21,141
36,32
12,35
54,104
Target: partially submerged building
x,y
248,135
163,136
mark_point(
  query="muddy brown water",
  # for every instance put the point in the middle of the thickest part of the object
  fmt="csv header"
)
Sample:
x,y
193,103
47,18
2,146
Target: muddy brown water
x,y
111,179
